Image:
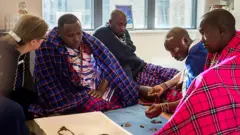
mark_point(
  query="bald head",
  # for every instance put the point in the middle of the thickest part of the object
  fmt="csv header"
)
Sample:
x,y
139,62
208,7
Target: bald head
x,y
177,42
177,33
118,22
117,14
220,17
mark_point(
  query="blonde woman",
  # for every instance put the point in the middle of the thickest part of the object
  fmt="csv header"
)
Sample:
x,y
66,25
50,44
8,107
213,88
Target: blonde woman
x,y
15,78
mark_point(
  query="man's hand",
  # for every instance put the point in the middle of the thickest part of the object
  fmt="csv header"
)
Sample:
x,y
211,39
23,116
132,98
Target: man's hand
x,y
96,93
156,91
179,85
153,111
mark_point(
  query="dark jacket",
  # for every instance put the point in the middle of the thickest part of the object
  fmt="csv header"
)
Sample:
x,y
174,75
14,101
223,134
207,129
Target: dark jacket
x,y
124,52
8,65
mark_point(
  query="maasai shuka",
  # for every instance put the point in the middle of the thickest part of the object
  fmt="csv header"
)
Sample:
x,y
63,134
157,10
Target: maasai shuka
x,y
212,103
58,83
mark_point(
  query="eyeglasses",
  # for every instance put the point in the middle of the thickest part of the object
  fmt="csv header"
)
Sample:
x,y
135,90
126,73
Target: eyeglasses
x,y
63,128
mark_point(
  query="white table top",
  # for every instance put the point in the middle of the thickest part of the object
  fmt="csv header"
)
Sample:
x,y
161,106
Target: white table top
x,y
94,123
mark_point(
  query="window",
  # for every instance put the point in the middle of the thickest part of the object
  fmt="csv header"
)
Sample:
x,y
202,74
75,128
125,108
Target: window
x,y
53,9
170,13
147,14
138,8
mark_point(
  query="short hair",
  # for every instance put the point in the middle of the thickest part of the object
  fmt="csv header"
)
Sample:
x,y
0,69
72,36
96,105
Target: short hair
x,y
177,33
220,17
67,19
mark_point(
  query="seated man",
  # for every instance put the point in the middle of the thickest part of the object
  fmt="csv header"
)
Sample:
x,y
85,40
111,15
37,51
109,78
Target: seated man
x,y
212,104
181,46
117,39
70,64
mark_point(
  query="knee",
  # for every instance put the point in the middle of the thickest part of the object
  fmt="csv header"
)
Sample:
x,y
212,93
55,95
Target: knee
x,y
11,109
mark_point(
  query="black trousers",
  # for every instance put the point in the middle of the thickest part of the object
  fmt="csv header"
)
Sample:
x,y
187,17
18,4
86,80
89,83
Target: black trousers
x,y
11,118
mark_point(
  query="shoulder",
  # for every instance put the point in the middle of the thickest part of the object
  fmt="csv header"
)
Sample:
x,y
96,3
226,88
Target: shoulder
x,y
126,32
198,48
8,50
11,108
101,30
225,68
52,41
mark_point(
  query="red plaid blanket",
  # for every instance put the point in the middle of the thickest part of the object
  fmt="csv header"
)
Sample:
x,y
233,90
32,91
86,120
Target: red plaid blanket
x,y
212,103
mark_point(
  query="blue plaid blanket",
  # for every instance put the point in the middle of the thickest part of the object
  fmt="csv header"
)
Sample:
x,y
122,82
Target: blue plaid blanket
x,y
58,84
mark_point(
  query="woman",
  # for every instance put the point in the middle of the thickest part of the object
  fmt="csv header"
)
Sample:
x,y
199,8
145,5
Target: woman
x,y
15,79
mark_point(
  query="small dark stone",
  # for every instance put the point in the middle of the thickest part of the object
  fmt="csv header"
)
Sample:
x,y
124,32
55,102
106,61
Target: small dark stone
x,y
156,121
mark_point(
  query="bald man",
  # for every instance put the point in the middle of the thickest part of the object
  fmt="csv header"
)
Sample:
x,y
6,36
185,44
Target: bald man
x,y
181,47
117,39
212,104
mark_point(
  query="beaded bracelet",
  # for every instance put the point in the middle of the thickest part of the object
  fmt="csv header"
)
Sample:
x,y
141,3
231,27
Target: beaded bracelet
x,y
165,107
164,86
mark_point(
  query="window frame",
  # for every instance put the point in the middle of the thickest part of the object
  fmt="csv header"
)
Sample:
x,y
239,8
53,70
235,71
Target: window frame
x,y
149,15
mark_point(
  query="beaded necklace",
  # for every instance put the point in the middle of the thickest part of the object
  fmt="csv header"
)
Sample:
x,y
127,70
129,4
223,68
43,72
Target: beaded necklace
x,y
16,74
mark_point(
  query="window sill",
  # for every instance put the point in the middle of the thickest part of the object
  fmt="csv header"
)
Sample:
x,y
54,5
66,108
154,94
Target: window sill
x,y
148,31
156,31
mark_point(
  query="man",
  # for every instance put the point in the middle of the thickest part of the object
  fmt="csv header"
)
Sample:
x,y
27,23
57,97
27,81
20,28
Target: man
x,y
212,104
70,64
117,39
181,47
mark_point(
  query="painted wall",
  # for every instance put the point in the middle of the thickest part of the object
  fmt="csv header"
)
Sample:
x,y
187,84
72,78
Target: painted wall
x,y
149,43
10,8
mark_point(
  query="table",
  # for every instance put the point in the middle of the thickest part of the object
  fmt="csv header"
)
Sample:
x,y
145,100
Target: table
x,y
93,123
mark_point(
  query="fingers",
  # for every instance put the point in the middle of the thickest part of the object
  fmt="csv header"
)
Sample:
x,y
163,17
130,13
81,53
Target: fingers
x,y
90,92
154,94
149,109
155,91
98,95
95,94
153,111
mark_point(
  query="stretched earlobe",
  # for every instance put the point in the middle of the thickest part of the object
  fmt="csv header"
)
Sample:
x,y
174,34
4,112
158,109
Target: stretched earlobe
x,y
221,30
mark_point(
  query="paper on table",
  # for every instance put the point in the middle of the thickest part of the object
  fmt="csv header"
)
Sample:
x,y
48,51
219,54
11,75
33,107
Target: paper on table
x,y
94,123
